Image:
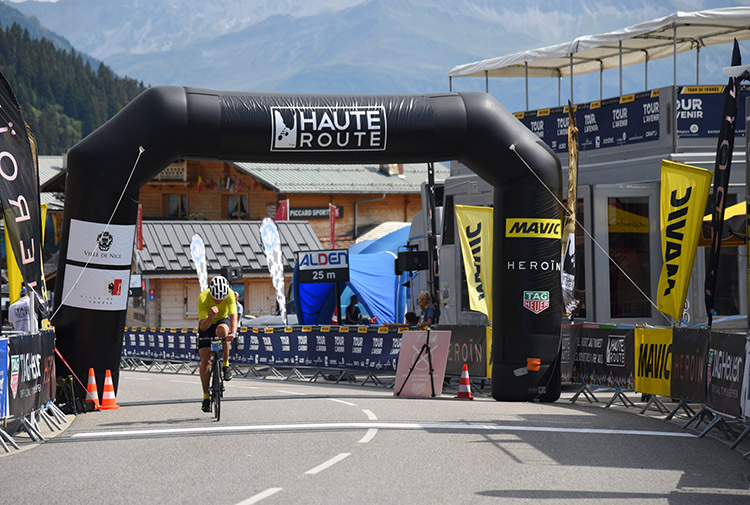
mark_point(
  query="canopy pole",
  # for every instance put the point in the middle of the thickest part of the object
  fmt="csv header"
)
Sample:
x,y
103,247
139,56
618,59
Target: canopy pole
x,y
698,65
571,78
620,44
559,93
526,80
486,81
646,70
673,115
601,79
450,83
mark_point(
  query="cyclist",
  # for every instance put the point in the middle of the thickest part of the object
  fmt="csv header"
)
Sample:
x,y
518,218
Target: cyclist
x,y
217,316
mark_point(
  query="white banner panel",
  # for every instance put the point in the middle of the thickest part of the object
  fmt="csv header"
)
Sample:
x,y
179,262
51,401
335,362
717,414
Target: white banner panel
x,y
96,289
105,245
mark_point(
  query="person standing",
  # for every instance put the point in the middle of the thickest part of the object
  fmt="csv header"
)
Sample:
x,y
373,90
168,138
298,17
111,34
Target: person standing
x,y
217,317
18,313
427,316
240,309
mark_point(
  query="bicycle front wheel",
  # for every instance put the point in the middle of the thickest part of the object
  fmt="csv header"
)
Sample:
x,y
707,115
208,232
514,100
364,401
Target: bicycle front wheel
x,y
216,389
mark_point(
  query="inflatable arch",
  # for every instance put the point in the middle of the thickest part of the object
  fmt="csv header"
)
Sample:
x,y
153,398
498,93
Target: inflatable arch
x,y
167,122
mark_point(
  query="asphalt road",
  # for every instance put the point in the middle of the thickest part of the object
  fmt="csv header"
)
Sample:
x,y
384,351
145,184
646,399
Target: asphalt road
x,y
281,442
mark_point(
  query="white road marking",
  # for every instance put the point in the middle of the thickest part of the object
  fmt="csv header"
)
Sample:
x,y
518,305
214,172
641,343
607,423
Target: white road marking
x,y
342,401
129,377
713,491
370,415
291,392
368,436
258,497
328,463
372,425
197,381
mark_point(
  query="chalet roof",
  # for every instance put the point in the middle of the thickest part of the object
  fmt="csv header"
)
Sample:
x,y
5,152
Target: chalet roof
x,y
350,178
166,245
49,168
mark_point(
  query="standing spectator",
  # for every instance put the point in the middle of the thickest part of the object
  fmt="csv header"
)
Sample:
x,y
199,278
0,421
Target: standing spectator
x,y
240,308
427,317
18,313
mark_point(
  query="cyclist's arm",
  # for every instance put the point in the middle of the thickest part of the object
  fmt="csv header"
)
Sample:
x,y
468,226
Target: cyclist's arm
x,y
204,324
233,323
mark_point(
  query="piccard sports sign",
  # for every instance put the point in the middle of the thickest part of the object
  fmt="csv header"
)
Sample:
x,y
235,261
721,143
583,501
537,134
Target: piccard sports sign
x,y
323,266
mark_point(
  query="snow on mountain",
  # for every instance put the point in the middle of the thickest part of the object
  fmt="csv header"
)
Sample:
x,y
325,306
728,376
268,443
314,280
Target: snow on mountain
x,y
339,46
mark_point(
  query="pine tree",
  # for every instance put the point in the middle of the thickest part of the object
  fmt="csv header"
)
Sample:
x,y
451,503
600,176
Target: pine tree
x,y
62,98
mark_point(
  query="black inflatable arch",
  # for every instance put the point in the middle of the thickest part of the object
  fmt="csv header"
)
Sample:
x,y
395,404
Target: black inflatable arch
x,y
167,122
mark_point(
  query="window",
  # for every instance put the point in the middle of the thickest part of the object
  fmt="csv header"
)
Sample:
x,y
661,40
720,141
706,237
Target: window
x,y
176,205
237,206
629,248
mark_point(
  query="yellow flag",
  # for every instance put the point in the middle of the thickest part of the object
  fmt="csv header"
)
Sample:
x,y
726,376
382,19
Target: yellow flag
x,y
684,192
475,233
15,279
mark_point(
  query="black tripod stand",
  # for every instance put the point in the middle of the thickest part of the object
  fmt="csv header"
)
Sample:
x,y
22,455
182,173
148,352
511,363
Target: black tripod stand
x,y
426,350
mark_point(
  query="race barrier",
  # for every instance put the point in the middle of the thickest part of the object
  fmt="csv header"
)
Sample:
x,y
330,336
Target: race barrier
x,y
688,365
27,386
373,350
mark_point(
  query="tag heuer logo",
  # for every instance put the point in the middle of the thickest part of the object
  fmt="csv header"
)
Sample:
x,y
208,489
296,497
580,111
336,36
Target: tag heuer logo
x,y
536,301
14,369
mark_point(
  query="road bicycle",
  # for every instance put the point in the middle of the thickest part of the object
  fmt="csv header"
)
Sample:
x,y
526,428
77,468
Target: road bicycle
x,y
216,384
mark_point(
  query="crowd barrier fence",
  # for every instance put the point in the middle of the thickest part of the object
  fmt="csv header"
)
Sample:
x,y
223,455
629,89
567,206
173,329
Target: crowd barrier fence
x,y
687,365
303,352
27,386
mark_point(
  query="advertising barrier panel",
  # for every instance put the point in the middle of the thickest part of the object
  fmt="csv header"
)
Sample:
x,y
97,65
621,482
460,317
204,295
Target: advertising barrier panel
x,y
604,356
467,346
414,363
32,379
363,348
689,355
725,370
653,357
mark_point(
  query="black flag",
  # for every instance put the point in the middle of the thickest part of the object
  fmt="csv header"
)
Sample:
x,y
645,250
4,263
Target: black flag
x,y
19,189
722,167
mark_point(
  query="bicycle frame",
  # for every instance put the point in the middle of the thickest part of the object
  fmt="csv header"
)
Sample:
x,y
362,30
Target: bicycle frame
x,y
216,384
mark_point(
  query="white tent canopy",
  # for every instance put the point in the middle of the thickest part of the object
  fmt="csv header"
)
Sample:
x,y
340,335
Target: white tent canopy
x,y
658,38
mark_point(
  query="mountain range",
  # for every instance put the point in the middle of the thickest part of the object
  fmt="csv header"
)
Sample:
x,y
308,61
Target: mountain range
x,y
332,46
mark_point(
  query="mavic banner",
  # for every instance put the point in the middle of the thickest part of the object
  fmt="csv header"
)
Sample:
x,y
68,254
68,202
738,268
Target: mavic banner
x,y
19,189
726,368
684,192
689,355
475,232
653,358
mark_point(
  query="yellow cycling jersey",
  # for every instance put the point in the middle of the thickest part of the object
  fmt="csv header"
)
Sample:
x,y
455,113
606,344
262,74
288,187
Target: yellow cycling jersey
x,y
227,306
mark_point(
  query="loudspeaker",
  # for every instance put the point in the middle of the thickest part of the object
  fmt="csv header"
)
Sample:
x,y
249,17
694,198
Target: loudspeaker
x,y
409,261
232,273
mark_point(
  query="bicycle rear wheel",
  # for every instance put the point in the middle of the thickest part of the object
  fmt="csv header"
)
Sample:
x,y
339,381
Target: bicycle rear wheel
x,y
216,388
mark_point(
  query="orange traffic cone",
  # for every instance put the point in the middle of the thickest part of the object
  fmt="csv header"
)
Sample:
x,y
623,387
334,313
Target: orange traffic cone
x,y
92,395
108,395
464,387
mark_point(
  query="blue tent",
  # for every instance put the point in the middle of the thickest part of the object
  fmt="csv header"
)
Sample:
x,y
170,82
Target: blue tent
x,y
371,277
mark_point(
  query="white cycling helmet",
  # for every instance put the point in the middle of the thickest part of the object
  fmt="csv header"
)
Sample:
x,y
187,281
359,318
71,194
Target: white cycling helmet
x,y
219,287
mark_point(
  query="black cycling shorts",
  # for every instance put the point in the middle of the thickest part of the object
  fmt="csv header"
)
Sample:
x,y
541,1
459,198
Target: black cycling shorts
x,y
204,337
